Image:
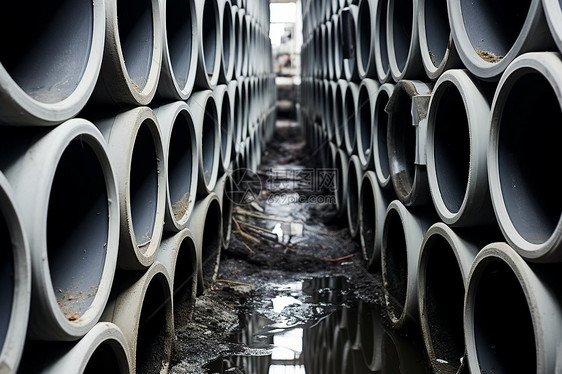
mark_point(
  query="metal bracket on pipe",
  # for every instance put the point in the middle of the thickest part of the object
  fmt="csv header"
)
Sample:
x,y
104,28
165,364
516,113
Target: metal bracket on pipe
x,y
420,105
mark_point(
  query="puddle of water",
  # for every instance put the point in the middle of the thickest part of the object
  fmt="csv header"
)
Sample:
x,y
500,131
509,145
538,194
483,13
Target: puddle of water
x,y
317,327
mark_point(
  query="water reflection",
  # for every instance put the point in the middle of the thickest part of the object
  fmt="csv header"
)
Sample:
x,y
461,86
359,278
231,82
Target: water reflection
x,y
317,327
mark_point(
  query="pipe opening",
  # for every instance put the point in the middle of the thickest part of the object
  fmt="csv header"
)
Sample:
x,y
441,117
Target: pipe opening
x,y
77,228
367,219
499,294
451,148
209,139
402,20
243,44
179,30
237,46
180,161
226,126
444,302
353,193
381,124
211,241
381,22
50,54
526,157
349,109
136,33
402,143
143,187
395,264
493,27
365,124
154,340
106,360
364,37
227,37
340,182
186,269
338,112
210,35
437,30
7,279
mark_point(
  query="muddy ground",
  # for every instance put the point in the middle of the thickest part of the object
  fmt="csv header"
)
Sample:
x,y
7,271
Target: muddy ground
x,y
261,260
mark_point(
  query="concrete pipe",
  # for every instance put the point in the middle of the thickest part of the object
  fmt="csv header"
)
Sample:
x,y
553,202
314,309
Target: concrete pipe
x,y
235,34
365,122
406,138
246,35
336,47
225,117
489,37
132,58
240,42
179,254
228,42
366,35
350,70
206,226
15,280
369,335
380,131
458,127
402,238
57,174
502,284
225,193
339,115
136,150
354,176
142,309
179,143
402,40
329,55
329,110
179,57
103,349
400,355
341,165
209,43
373,202
206,120
243,109
382,62
438,51
553,12
51,59
350,108
445,261
236,110
322,58
527,208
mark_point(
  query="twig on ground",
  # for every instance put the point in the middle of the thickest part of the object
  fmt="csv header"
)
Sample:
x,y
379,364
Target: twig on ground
x,y
233,282
337,259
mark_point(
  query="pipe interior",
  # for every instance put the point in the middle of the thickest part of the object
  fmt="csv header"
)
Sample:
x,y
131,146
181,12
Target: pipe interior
x,y
402,143
226,125
437,29
237,46
227,197
365,124
340,182
396,263
106,360
381,22
209,139
367,220
338,112
451,148
237,125
180,161
154,340
493,26
76,247
186,265
136,33
499,305
381,125
227,36
50,54
143,186
179,30
526,157
349,109
353,192
211,241
8,278
210,35
364,20
444,301
402,13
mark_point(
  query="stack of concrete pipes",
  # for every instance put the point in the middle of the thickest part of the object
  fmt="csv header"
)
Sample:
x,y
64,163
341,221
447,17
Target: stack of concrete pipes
x,y
120,124
442,119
